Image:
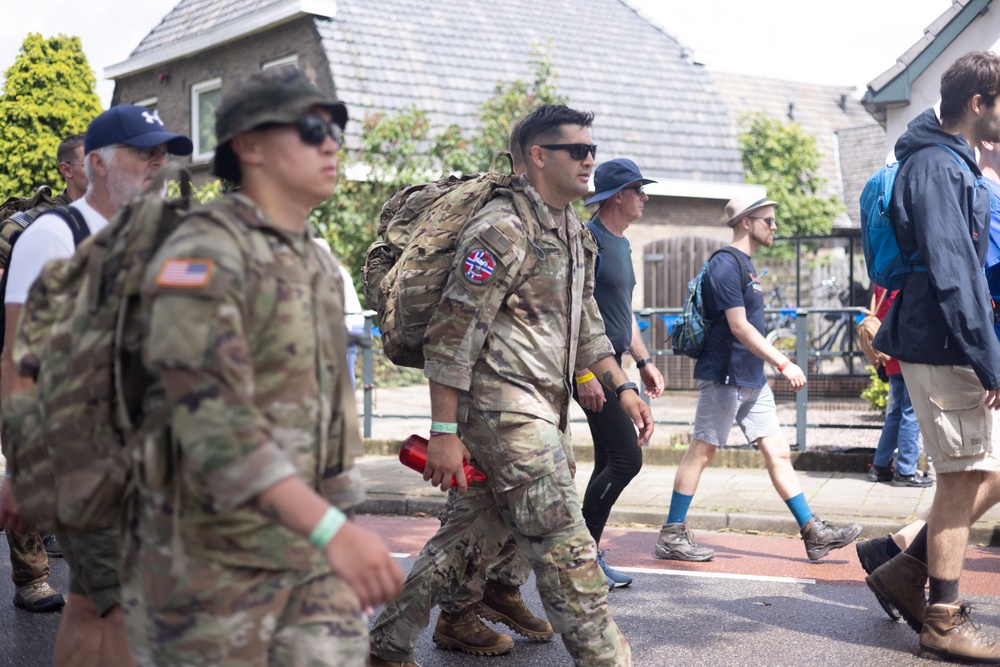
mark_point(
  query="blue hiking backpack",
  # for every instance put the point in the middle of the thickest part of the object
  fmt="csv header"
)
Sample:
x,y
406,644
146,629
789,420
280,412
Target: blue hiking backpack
x,y
692,326
887,263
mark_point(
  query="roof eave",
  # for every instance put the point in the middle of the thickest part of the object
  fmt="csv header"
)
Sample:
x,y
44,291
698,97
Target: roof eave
x,y
243,27
892,87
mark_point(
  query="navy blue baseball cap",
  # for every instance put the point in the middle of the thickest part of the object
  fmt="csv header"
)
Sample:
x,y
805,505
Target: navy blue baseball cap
x,y
133,125
614,176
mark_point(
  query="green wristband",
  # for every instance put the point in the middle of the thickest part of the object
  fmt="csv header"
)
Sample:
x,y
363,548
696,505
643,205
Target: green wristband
x,y
444,427
327,528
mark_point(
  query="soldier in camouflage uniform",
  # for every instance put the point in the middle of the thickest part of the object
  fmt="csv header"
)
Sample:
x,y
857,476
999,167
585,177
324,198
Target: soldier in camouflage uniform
x,y
246,344
29,551
516,319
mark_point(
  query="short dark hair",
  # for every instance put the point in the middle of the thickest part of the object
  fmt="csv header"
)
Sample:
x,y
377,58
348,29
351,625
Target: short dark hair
x,y
544,123
67,147
975,73
514,144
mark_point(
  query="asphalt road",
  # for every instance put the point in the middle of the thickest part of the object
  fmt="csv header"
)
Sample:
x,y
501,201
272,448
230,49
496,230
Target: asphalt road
x,y
759,602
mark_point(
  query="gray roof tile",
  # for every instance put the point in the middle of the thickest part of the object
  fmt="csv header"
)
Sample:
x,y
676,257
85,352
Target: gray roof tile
x,y
447,57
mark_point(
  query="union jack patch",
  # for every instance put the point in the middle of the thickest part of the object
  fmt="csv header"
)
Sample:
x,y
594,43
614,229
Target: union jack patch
x,y
185,273
479,265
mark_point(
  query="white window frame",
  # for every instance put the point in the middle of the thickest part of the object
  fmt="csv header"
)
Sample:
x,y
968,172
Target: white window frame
x,y
197,90
147,102
293,59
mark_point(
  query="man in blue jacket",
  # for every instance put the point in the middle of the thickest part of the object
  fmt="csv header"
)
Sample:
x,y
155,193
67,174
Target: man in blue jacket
x,y
940,328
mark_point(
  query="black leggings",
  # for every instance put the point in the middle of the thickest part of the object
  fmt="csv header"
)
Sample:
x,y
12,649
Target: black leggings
x,y
617,459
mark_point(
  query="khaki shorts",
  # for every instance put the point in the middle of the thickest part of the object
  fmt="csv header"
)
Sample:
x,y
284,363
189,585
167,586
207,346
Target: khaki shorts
x,y
959,431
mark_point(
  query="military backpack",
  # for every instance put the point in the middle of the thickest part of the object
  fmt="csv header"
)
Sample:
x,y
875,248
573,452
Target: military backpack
x,y
16,214
71,439
405,271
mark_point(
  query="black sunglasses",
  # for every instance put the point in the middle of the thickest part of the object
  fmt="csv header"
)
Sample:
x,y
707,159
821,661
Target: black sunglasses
x,y
313,130
576,151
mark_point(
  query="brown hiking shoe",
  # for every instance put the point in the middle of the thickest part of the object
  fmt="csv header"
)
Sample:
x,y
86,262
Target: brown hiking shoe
x,y
822,536
504,604
466,633
375,661
951,635
900,583
38,597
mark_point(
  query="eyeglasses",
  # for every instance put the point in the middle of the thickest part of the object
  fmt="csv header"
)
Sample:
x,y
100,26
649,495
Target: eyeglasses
x,y
638,189
313,130
768,221
74,162
147,153
576,151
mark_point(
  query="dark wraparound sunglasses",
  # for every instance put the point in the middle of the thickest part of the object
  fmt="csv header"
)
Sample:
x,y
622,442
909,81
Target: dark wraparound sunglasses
x,y
313,130
576,151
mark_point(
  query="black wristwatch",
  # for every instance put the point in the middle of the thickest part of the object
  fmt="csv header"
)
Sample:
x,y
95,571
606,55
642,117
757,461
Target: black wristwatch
x,y
642,362
625,387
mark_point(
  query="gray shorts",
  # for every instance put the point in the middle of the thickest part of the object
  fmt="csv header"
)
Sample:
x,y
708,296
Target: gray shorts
x,y
719,405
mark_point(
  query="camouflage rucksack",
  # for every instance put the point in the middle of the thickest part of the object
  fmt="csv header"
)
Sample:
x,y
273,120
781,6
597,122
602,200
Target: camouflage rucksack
x,y
18,212
69,441
405,271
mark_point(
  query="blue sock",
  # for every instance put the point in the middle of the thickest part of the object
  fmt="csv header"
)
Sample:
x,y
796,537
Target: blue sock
x,y
800,509
679,504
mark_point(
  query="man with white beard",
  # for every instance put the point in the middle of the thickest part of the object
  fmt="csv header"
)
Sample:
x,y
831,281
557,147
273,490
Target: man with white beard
x,y
123,148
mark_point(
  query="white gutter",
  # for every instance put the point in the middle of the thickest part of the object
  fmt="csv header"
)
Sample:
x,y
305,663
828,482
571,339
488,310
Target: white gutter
x,y
665,187
229,32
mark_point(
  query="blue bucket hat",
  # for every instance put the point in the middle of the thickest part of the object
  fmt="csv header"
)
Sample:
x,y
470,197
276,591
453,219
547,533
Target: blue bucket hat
x,y
614,176
133,125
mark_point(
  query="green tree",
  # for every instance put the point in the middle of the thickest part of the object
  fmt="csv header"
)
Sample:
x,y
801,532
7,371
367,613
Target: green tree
x,y
783,158
510,102
48,95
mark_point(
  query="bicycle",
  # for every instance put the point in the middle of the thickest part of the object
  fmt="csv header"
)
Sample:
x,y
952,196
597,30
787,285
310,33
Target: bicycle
x,y
836,339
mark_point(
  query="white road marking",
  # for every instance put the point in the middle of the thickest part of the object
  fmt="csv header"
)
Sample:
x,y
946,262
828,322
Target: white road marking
x,y
715,575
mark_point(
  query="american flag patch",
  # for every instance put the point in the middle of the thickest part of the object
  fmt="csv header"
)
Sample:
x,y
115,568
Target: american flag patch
x,y
185,273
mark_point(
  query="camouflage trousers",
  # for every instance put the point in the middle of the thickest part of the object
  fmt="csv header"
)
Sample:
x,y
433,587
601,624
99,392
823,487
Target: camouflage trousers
x,y
220,615
510,568
28,561
543,515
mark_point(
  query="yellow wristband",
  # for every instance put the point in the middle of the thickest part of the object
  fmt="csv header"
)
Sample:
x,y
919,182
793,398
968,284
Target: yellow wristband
x,y
585,378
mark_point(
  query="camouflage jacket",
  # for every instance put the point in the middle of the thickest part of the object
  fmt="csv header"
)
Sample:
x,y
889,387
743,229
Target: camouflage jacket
x,y
508,331
246,341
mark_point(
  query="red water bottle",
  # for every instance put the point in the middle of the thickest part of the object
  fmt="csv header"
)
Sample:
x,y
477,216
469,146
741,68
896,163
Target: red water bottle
x,y
413,454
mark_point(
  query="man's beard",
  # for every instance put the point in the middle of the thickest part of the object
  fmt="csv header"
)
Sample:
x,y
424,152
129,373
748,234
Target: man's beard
x,y
123,187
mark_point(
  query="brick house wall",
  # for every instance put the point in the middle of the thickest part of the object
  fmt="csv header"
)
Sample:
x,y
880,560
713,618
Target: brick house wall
x,y
231,62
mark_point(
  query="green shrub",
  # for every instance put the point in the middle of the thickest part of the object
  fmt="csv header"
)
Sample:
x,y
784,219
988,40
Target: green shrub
x,y
877,392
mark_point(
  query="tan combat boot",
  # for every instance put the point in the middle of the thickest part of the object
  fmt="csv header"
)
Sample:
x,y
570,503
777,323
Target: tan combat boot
x,y
504,604
949,634
466,633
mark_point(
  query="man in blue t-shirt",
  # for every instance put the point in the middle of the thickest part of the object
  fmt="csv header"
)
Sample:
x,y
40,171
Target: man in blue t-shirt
x,y
732,386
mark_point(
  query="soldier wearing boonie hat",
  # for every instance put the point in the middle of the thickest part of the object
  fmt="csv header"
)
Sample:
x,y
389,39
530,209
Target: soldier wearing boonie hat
x,y
277,96
246,344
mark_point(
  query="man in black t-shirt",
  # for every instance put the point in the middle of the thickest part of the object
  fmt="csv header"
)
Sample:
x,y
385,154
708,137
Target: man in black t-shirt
x,y
617,455
732,386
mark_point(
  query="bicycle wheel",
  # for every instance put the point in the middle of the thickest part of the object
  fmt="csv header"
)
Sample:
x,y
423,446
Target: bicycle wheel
x,y
784,341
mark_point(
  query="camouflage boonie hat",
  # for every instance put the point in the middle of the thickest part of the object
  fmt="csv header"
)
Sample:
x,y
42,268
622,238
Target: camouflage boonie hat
x,y
278,95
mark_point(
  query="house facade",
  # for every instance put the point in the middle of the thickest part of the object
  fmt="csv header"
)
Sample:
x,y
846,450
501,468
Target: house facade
x,y
902,92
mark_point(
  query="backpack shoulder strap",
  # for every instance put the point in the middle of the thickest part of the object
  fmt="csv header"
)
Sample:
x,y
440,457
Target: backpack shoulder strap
x,y
598,233
75,221
733,252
